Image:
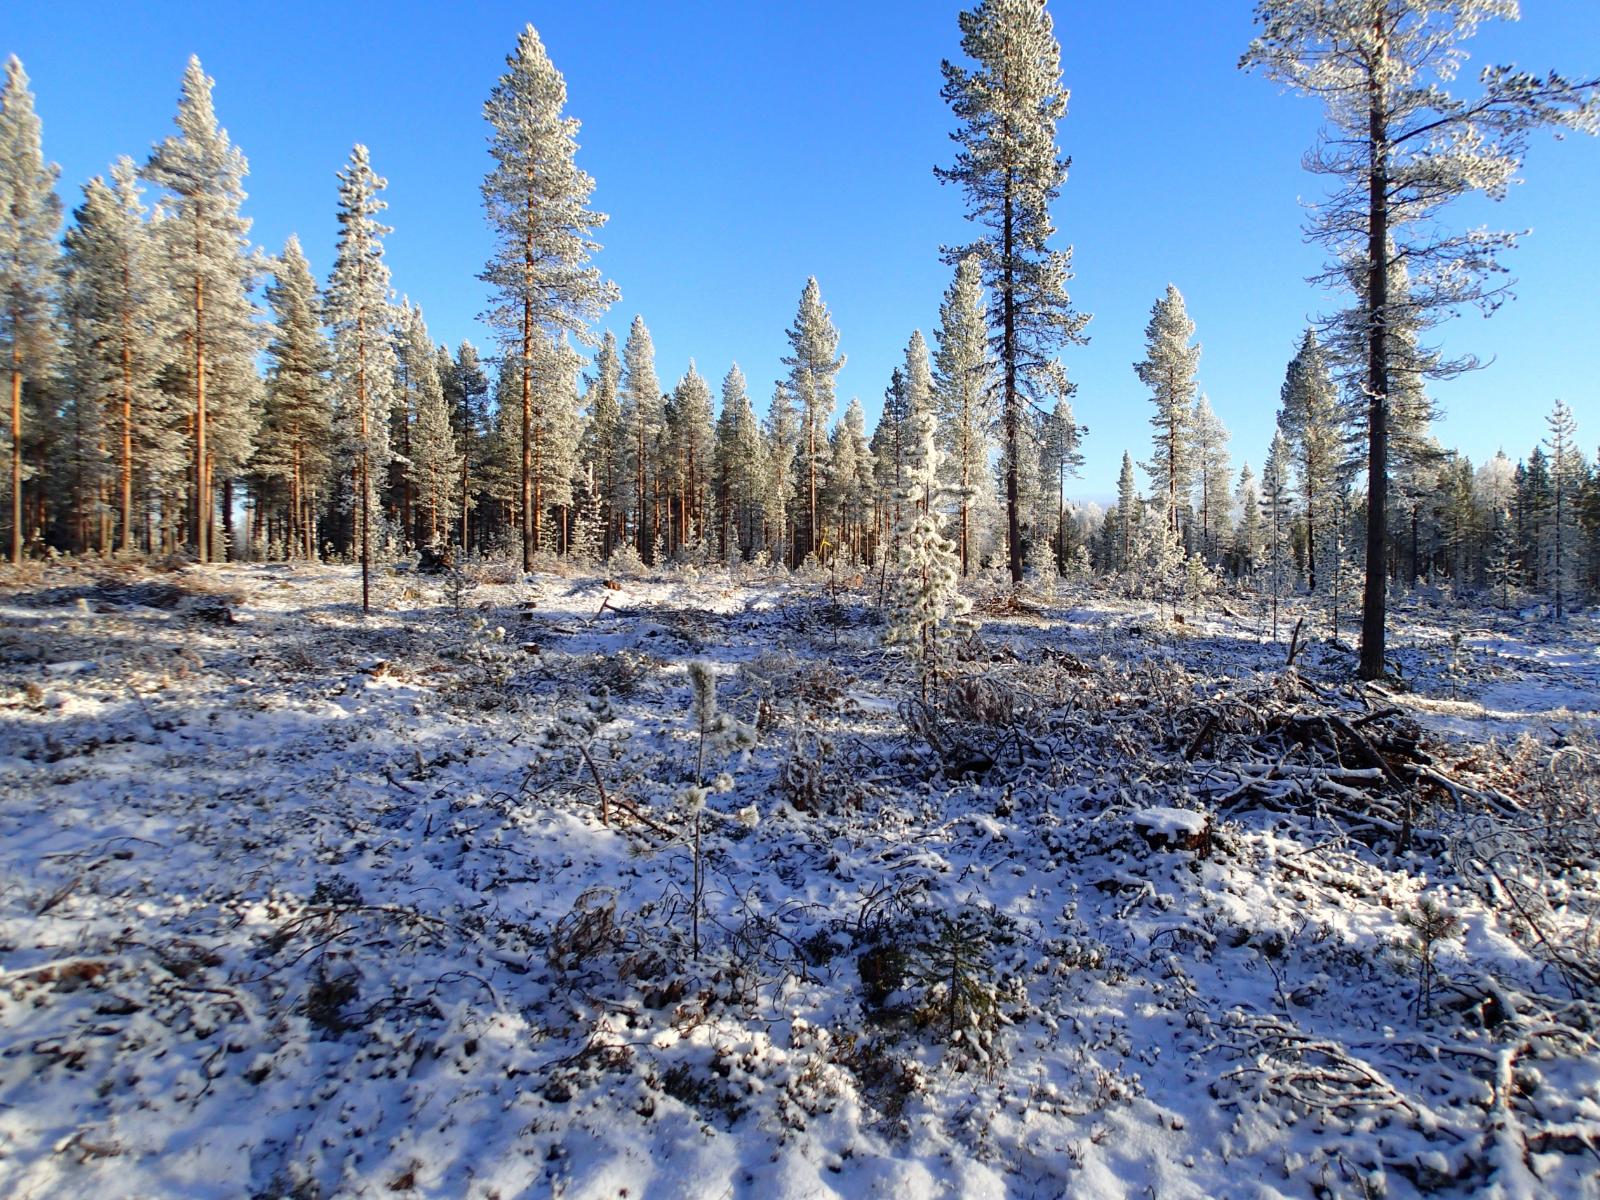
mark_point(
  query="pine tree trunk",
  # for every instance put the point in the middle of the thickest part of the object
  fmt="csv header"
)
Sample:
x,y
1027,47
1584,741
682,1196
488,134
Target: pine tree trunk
x,y
127,421
16,455
201,495
1375,595
1008,354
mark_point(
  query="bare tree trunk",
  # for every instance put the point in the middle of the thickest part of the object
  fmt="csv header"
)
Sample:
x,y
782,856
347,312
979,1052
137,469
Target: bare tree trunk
x,y
127,423
16,454
530,515
1008,354
202,509
1375,595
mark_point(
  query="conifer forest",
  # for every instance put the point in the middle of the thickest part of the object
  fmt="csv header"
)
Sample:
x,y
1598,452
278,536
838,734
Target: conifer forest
x,y
500,771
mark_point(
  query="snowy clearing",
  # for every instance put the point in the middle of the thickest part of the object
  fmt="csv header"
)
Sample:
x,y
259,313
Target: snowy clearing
x,y
298,903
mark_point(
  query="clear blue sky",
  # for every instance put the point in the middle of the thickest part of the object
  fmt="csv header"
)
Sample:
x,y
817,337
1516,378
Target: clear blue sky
x,y
741,147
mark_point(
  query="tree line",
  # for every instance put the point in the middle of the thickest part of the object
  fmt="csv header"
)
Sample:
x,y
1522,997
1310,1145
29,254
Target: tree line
x,y
172,387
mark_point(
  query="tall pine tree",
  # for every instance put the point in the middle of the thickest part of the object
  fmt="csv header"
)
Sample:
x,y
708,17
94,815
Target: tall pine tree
x,y
1010,170
30,213
363,350
537,199
207,262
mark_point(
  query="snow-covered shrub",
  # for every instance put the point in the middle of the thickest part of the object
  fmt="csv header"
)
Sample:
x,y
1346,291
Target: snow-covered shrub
x,y
619,673
625,561
964,998
490,663
1428,923
457,585
720,735
575,731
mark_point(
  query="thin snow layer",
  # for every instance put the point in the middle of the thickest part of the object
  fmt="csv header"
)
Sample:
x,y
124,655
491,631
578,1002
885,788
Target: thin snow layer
x,y
297,902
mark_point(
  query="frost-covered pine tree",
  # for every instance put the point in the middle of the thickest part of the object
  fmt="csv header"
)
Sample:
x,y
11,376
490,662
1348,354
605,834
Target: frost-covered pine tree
x,y
888,448
642,416
747,464
116,308
1277,512
848,495
1011,170
689,452
1560,548
963,384
30,214
297,422
557,430
1168,370
206,262
466,392
359,313
434,460
1401,148
1340,570
783,441
1059,457
588,522
1128,510
605,442
813,361
538,202
1501,569
927,595
1213,476
1309,416
1248,534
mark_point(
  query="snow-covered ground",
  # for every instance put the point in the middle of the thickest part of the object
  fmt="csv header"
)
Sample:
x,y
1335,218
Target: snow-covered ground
x,y
297,902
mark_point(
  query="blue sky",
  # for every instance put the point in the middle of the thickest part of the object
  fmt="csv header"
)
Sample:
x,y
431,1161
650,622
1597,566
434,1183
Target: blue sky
x,y
741,147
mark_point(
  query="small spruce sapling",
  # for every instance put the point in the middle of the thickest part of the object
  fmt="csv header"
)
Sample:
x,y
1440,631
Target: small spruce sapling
x,y
576,730
1429,924
719,735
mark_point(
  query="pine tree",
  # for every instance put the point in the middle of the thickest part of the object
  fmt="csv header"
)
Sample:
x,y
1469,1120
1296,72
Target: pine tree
x,y
537,200
1502,565
466,393
747,463
689,449
1128,509
1010,170
888,448
605,446
1168,370
76,462
30,213
363,351
850,481
642,415
1308,416
1339,565
814,361
434,459
1402,148
1560,549
1277,511
963,385
1059,457
783,441
1213,475
557,429
927,594
1248,537
206,260
116,311
298,419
